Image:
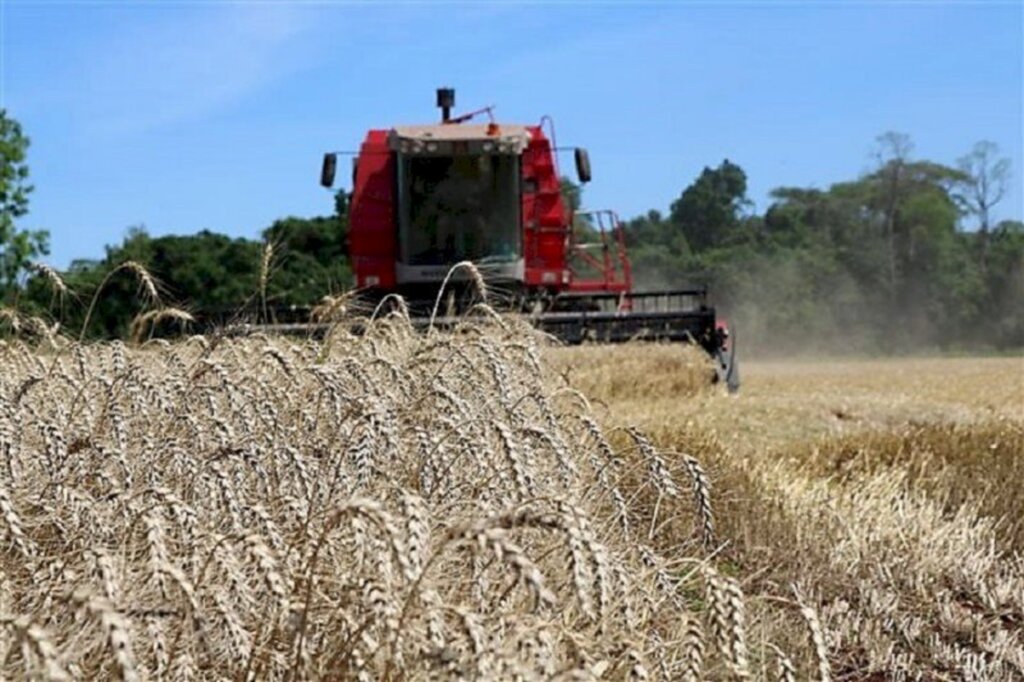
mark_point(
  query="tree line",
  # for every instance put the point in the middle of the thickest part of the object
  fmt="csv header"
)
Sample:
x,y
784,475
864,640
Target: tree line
x,y
903,256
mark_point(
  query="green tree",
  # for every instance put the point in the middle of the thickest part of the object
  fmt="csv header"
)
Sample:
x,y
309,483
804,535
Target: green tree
x,y
708,211
891,235
1004,286
218,278
205,273
17,247
310,259
892,154
986,177
877,262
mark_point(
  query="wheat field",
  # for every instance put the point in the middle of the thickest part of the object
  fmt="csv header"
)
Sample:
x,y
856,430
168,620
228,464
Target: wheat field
x,y
886,492
480,504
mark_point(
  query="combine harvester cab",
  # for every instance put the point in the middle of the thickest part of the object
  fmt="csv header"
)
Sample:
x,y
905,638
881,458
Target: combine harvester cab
x,y
425,197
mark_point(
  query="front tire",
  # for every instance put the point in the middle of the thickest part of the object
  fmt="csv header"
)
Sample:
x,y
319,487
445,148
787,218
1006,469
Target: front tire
x,y
727,368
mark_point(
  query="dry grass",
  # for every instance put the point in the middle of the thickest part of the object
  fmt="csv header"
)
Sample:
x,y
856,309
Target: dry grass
x,y
404,506
887,491
954,463
636,372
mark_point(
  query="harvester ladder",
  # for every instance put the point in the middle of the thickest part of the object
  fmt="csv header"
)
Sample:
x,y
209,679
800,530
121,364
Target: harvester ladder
x,y
606,255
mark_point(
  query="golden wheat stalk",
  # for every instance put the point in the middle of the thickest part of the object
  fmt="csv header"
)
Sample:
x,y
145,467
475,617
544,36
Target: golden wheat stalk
x,y
50,275
150,319
817,634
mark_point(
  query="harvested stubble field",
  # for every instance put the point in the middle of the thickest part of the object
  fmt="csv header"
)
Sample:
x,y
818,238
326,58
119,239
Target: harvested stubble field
x,y
481,505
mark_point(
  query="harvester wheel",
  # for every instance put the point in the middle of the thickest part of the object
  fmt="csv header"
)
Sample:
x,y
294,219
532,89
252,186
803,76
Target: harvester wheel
x,y
727,368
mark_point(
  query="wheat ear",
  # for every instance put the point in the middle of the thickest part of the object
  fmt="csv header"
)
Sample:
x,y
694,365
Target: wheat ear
x,y
817,634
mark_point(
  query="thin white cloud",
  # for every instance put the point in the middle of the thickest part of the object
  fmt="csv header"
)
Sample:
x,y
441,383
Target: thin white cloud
x,y
186,66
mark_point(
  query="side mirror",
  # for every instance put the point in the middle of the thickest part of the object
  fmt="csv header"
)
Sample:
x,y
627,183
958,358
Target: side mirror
x,y
582,164
328,169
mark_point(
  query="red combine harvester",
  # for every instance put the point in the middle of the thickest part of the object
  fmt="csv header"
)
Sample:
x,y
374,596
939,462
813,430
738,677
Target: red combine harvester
x,y
425,197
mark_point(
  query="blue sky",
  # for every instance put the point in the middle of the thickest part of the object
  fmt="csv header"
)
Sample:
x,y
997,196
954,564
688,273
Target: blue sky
x,y
188,115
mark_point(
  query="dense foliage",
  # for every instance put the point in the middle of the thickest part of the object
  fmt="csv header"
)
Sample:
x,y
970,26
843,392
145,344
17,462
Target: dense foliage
x,y
17,246
904,256
889,261
298,259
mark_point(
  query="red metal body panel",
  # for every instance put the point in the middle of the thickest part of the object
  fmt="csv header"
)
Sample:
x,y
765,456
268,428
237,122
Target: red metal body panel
x,y
372,233
545,217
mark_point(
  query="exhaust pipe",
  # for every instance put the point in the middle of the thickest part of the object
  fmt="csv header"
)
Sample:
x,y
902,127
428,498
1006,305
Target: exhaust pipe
x,y
446,100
